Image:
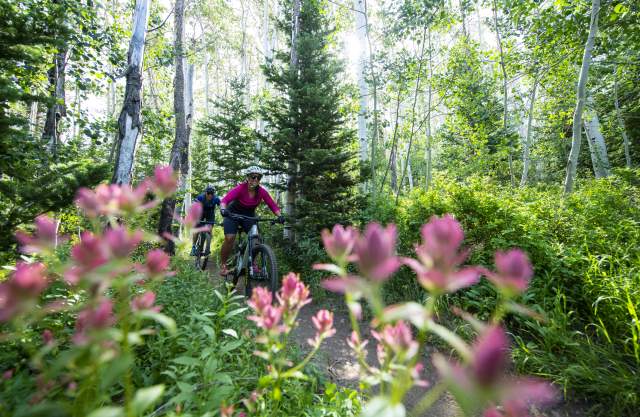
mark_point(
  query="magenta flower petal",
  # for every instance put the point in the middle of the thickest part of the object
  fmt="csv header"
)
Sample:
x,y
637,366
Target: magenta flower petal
x,y
343,284
375,252
339,242
513,271
490,352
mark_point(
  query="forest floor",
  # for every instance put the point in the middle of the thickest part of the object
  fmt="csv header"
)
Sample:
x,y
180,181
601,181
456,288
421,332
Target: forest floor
x,y
339,364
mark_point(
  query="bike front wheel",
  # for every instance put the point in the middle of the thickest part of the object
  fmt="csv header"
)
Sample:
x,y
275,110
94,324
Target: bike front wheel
x,y
265,270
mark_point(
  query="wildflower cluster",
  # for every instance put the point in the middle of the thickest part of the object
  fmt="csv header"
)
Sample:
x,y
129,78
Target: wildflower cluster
x,y
477,379
109,296
275,320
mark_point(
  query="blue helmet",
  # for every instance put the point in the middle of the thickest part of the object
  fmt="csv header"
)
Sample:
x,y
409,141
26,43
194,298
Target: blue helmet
x,y
210,190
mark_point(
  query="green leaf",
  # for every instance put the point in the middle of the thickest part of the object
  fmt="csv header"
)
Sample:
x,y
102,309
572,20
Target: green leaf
x,y
184,387
146,397
186,360
235,312
107,412
165,321
230,332
228,347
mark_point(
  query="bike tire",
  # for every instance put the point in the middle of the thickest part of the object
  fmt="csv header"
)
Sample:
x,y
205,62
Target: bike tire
x,y
199,244
207,243
263,254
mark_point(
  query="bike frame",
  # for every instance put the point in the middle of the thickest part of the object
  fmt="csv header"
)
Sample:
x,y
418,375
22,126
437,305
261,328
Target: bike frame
x,y
245,259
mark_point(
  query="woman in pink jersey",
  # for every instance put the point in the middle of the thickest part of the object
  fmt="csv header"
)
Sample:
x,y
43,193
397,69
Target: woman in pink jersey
x,y
243,199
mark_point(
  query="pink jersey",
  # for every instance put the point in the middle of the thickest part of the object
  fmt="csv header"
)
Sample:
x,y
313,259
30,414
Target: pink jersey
x,y
240,194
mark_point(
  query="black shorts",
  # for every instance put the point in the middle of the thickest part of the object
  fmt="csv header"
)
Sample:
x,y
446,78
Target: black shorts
x,y
231,226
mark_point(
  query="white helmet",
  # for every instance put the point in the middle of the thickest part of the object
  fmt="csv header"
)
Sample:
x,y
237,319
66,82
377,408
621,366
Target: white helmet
x,y
253,170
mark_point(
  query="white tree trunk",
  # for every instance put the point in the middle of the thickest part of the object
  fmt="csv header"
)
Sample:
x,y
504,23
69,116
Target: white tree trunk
x,y
361,30
130,122
428,132
526,146
33,118
189,115
623,130
504,90
572,163
598,147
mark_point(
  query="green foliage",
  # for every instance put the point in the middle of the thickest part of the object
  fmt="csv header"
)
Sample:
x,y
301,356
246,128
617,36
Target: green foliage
x,y
230,140
49,190
306,137
585,250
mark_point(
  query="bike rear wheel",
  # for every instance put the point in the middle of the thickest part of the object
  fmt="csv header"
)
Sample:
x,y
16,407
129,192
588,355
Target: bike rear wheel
x,y
199,249
265,270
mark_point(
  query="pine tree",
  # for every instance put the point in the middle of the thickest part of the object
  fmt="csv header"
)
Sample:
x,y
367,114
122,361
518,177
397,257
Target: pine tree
x,y
232,139
306,137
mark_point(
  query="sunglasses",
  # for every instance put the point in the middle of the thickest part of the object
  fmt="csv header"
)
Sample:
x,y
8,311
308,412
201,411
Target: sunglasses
x,y
254,177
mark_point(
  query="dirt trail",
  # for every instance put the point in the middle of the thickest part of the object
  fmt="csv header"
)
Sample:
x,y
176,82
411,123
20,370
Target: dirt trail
x,y
339,364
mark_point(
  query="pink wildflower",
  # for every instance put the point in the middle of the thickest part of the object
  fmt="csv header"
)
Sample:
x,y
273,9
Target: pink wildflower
x,y
8,374
339,242
226,411
375,252
44,239
91,319
293,294
47,337
490,352
193,216
88,254
87,200
164,181
260,298
157,263
355,343
398,338
514,272
439,257
120,242
145,302
323,322
29,279
269,318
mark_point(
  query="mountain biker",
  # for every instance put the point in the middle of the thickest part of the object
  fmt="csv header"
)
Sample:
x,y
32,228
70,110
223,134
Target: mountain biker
x,y
243,200
209,201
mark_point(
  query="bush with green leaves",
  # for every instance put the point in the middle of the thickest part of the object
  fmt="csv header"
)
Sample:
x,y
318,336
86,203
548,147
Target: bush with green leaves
x,y
586,252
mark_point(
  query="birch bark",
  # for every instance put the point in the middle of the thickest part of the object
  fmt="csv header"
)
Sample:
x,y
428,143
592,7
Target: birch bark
x,y
600,159
130,121
361,30
504,90
58,110
526,148
572,162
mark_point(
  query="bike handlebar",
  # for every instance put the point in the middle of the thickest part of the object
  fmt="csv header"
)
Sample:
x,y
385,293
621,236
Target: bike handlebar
x,y
256,219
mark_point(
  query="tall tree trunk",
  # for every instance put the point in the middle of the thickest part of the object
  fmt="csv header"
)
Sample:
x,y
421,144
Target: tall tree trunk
x,y
479,23
572,163
57,110
179,156
361,30
598,147
291,165
413,113
504,91
428,133
623,130
130,121
374,80
33,118
392,156
526,148
189,115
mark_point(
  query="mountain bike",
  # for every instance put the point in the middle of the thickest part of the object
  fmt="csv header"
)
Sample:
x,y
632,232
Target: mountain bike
x,y
253,259
203,247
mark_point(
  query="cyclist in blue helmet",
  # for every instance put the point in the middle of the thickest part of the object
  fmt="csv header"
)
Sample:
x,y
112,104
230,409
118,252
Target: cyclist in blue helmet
x,y
209,201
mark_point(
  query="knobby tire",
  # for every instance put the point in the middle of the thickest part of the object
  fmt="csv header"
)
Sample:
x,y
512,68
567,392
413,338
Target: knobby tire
x,y
269,265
